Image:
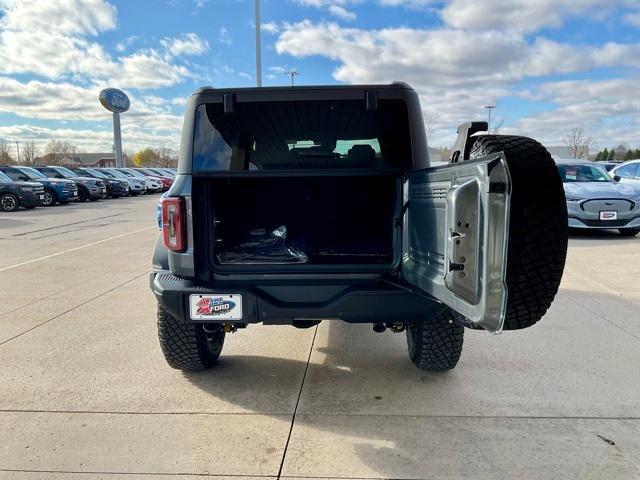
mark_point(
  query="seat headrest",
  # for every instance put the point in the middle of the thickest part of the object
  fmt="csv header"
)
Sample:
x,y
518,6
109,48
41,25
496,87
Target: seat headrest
x,y
361,154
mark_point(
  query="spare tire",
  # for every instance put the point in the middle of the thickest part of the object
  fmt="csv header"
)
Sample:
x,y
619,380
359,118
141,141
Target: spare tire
x,y
538,226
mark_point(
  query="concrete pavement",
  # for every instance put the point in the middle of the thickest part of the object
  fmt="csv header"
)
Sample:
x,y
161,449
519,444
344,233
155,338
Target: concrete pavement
x,y
85,392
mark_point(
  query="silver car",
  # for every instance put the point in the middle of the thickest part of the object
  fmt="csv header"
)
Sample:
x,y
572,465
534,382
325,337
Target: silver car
x,y
596,201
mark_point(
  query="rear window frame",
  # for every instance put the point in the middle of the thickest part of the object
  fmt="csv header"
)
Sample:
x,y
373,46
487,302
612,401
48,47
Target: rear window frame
x,y
398,90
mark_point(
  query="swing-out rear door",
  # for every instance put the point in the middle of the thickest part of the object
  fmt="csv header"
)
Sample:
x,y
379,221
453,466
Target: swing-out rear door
x,y
458,230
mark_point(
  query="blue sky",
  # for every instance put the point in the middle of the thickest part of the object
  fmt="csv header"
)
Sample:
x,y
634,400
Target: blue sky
x,y
548,66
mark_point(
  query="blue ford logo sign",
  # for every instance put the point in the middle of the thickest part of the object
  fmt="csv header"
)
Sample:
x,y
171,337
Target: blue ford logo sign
x,y
114,100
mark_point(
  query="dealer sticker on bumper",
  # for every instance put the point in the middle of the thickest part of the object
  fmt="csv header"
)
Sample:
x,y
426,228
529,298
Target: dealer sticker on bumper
x,y
608,215
216,307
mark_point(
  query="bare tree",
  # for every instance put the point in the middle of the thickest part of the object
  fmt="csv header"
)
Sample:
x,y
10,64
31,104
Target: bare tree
x,y
497,125
57,151
29,152
430,121
579,144
444,154
166,157
620,152
6,153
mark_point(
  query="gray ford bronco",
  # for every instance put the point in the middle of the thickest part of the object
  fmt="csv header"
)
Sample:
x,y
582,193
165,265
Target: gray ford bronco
x,y
297,205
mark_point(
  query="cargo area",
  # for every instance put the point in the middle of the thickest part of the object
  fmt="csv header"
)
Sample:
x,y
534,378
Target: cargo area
x,y
304,220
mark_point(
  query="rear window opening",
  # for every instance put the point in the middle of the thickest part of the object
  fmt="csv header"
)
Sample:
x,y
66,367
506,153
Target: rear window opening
x,y
315,221
320,134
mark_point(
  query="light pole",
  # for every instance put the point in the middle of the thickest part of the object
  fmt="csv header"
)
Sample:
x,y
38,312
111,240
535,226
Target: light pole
x,y
489,108
256,10
292,74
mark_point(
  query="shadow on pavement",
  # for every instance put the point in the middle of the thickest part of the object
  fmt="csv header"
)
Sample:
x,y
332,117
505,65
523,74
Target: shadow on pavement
x,y
393,443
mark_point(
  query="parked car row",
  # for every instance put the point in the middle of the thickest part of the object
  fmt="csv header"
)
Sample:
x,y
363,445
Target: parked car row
x,y
45,185
601,199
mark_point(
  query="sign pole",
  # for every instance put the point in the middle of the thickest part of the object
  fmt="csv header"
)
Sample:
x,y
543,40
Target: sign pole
x,y
117,140
117,102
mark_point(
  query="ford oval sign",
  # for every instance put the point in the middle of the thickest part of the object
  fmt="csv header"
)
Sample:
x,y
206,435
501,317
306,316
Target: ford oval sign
x,y
114,100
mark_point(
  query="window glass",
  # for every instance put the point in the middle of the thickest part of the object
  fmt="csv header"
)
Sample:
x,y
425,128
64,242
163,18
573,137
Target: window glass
x,y
302,134
32,172
583,173
65,172
4,178
627,171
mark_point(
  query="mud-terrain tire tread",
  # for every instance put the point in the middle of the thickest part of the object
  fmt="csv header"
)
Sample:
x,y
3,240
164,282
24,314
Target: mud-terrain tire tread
x,y
437,342
538,226
184,344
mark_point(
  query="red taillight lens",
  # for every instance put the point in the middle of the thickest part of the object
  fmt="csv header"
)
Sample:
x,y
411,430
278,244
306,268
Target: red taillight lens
x,y
173,224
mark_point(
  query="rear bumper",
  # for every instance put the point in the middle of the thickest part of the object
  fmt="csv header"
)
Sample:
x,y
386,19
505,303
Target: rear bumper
x,y
370,302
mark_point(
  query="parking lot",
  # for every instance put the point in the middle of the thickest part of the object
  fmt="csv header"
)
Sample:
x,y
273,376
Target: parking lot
x,y
85,392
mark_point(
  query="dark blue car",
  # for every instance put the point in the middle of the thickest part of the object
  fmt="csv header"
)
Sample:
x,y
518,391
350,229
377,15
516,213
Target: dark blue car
x,y
89,188
55,190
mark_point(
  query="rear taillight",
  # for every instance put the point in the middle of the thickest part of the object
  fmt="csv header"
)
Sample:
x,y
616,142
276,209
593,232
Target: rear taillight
x,y
173,224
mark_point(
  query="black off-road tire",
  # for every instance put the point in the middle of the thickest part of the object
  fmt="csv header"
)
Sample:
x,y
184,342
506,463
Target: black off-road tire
x,y
435,344
188,346
629,232
9,202
538,226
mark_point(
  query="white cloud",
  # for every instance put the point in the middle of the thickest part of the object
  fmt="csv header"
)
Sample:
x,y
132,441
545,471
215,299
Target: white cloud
x,y
633,18
607,109
456,72
271,27
87,140
186,44
126,43
30,42
224,36
337,8
49,38
150,119
407,3
69,17
54,40
520,15
278,69
341,12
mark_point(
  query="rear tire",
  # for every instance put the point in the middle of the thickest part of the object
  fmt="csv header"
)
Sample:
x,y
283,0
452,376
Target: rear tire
x,y
188,346
629,232
538,227
9,202
435,344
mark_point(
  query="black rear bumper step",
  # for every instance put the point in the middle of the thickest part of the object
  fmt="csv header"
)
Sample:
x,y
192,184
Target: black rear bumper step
x,y
372,302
